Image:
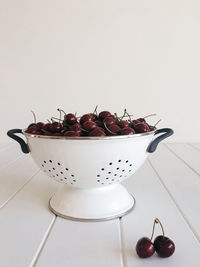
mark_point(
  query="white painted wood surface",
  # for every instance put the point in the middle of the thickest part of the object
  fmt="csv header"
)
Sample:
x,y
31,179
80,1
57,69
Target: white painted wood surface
x,y
167,186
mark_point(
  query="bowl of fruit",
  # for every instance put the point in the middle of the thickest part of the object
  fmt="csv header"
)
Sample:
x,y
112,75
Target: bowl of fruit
x,y
90,156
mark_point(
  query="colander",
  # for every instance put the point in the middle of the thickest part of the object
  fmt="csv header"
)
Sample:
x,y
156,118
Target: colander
x,y
91,170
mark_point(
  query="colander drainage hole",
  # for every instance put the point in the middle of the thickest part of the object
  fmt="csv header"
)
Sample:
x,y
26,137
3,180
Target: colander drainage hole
x,y
72,175
66,169
129,170
61,172
57,174
50,161
126,161
102,169
98,175
119,160
42,165
49,170
58,163
107,178
115,174
130,165
123,170
45,161
98,181
117,168
54,169
109,172
110,163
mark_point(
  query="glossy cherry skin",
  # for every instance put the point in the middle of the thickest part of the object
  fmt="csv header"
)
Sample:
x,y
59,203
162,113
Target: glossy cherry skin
x,y
86,117
33,125
127,131
109,121
104,114
32,130
75,127
55,127
142,127
89,125
70,119
123,124
93,116
71,133
145,248
97,132
114,128
164,246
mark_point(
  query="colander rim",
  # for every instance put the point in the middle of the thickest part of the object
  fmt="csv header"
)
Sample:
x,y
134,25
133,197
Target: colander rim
x,y
88,137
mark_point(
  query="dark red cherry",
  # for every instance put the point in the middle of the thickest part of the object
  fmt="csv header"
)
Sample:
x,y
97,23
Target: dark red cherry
x,y
127,131
93,116
55,127
109,121
46,126
70,119
99,123
75,127
123,124
114,128
86,117
164,246
142,127
40,125
33,125
89,125
32,130
97,132
71,133
104,114
136,121
145,248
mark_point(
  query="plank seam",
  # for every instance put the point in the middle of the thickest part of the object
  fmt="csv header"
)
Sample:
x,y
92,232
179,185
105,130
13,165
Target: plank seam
x,y
176,204
15,193
182,160
193,146
122,244
43,242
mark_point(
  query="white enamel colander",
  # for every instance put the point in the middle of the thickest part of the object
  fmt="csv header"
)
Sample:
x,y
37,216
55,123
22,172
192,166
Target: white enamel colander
x,y
91,170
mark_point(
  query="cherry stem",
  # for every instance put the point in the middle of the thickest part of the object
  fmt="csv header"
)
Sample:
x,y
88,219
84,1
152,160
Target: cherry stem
x,y
156,123
125,111
34,116
109,130
54,118
157,221
49,121
60,113
95,110
149,116
61,110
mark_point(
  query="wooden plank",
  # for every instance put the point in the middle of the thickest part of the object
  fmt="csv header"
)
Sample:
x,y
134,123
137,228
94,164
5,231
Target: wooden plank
x,y
25,222
152,200
189,154
9,153
182,183
13,177
81,244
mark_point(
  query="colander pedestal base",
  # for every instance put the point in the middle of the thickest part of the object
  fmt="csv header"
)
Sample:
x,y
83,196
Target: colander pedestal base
x,y
91,204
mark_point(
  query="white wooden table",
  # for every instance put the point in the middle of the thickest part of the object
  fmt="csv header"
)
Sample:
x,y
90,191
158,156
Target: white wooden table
x,y
167,186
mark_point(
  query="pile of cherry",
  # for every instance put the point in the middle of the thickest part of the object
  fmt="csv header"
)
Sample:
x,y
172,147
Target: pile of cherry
x,y
162,244
91,124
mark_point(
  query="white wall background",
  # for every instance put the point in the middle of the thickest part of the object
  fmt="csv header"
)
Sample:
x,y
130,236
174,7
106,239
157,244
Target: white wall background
x,y
140,54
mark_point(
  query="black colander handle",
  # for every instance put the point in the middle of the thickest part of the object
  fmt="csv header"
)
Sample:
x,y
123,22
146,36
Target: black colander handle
x,y
24,146
153,145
